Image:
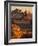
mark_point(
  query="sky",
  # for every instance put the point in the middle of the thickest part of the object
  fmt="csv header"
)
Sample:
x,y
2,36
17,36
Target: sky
x,y
23,8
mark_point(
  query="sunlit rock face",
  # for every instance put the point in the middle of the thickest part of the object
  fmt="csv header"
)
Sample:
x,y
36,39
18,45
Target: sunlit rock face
x,y
18,32
21,24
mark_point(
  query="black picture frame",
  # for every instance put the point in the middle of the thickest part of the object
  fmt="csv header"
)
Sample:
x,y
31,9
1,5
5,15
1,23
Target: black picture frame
x,y
6,22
